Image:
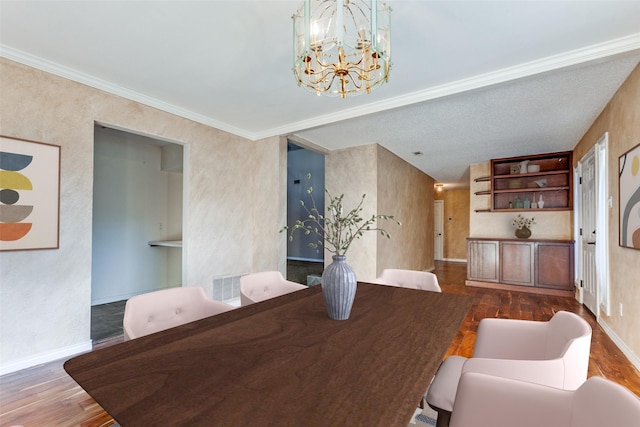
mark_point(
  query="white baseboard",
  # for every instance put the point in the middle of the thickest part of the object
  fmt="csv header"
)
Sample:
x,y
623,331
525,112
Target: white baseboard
x,y
47,356
454,260
621,345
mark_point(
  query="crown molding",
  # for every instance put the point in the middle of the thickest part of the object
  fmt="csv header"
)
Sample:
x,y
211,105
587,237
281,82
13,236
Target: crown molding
x,y
593,53
576,57
106,86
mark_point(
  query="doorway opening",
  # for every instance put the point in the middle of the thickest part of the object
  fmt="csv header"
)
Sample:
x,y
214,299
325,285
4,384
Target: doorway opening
x,y
137,222
304,263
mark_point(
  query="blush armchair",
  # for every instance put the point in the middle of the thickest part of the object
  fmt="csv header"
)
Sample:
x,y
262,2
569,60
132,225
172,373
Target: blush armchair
x,y
261,286
488,401
553,353
411,279
159,310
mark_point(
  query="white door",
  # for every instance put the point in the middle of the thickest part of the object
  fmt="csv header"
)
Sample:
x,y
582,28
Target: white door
x,y
587,240
438,227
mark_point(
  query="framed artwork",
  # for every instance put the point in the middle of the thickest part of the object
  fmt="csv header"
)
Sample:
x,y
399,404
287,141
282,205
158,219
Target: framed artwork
x,y
629,167
29,195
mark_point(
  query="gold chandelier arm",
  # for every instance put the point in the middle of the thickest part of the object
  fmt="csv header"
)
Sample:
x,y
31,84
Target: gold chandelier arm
x,y
341,46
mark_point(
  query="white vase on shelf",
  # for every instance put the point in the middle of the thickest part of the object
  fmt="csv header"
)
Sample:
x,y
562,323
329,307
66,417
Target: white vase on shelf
x,y
540,202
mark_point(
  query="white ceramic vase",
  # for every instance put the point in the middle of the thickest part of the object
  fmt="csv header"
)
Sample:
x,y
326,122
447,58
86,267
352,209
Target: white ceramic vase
x,y
540,202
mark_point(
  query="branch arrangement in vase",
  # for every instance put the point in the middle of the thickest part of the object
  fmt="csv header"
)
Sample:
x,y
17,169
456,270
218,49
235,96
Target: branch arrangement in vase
x,y
339,228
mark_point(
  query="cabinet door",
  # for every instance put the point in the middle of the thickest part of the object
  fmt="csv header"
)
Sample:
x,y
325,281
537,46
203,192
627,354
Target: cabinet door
x,y
516,263
554,265
482,263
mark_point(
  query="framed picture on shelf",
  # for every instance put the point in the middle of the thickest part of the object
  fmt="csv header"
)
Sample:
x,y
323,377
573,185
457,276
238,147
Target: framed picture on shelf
x,y
29,195
629,198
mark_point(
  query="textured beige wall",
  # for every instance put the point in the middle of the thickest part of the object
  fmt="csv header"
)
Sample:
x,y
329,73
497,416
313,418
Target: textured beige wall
x,y
621,118
392,187
353,172
233,205
549,225
456,231
405,192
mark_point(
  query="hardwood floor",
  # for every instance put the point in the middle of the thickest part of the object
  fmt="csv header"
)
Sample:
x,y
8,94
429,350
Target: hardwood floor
x,y
46,396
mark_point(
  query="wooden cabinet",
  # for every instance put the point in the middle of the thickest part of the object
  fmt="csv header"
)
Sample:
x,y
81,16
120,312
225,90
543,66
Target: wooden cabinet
x,y
516,263
520,183
482,261
554,265
535,264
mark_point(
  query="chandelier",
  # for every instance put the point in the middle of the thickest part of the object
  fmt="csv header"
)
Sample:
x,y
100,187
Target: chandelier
x,y
341,46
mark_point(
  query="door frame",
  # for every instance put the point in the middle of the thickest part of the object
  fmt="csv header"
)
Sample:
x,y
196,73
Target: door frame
x,y
603,204
438,241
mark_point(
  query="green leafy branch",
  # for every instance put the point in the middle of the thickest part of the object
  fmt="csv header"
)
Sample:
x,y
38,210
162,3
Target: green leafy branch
x,y
337,230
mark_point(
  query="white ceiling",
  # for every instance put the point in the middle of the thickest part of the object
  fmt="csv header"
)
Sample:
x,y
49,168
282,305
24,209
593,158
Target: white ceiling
x,y
471,80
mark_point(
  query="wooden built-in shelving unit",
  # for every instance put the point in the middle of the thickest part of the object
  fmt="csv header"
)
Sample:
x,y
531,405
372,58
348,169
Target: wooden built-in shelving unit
x,y
519,183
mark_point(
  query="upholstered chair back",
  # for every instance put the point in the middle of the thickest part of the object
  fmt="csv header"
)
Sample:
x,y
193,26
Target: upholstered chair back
x,y
553,353
563,342
261,286
489,401
411,279
156,311
599,402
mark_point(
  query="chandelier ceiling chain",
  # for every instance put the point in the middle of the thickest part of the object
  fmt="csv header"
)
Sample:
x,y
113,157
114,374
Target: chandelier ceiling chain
x,y
341,46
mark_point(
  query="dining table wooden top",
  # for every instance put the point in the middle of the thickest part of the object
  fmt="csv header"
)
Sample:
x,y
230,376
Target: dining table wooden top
x,y
281,362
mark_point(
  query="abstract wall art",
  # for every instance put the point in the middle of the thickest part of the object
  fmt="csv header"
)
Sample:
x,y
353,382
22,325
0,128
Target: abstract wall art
x,y
29,195
629,164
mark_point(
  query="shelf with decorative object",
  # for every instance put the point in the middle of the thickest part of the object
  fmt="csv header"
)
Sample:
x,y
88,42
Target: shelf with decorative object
x,y
543,181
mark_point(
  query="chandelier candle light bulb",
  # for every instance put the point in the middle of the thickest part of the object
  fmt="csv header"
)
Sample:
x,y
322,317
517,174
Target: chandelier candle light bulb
x,y
341,47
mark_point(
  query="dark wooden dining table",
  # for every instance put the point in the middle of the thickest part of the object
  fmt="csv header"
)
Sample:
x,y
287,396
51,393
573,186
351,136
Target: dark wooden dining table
x,y
281,362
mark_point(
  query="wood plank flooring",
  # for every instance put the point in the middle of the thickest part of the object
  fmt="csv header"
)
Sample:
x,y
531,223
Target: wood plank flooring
x,y
46,396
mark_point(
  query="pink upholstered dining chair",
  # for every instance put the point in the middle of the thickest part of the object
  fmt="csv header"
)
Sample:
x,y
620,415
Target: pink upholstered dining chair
x,y
412,279
159,310
553,353
488,401
261,286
